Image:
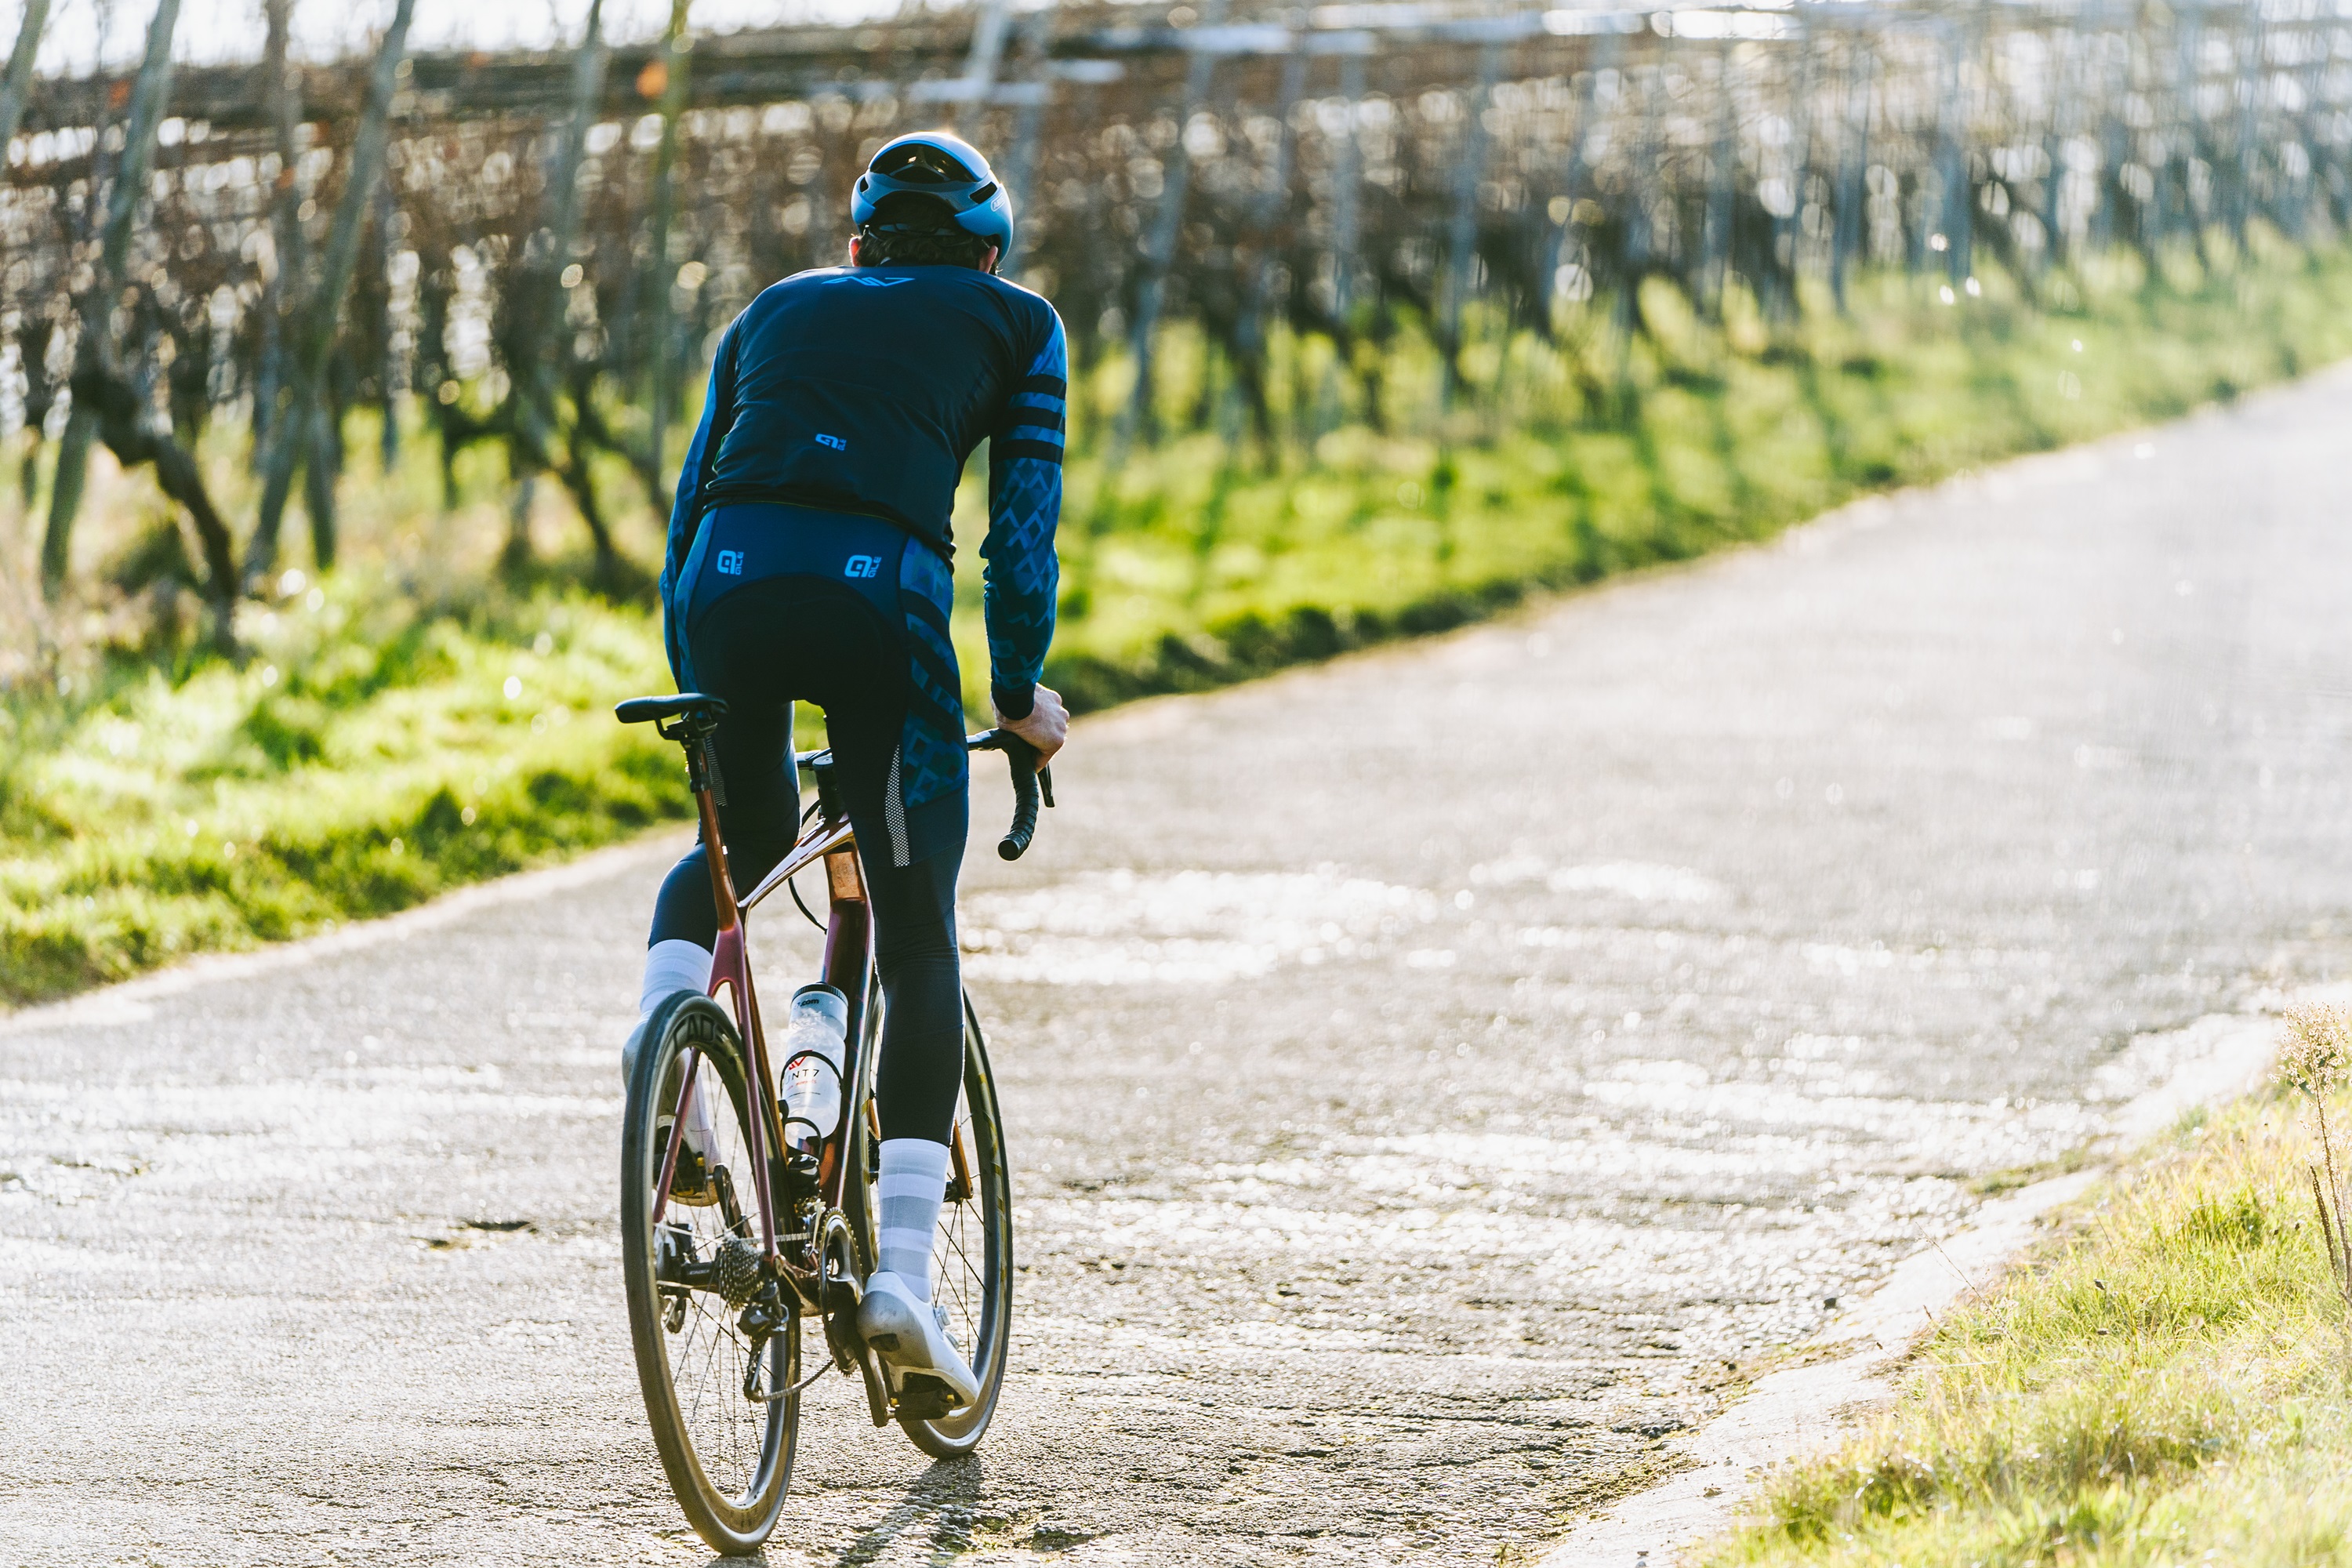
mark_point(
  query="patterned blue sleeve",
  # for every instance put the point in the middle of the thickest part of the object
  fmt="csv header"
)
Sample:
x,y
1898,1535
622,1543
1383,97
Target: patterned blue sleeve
x,y
1024,503
686,511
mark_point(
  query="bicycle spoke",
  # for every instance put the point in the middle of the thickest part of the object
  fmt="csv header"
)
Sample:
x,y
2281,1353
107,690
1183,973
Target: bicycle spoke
x,y
728,1458
709,1356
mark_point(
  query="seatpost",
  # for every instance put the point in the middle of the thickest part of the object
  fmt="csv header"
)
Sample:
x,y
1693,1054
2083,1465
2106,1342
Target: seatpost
x,y
711,793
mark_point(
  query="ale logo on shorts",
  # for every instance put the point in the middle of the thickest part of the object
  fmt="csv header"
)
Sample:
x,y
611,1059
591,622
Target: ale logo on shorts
x,y
730,563
837,443
863,566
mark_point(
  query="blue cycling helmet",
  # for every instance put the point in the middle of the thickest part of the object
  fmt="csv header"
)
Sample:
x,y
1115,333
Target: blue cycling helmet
x,y
945,168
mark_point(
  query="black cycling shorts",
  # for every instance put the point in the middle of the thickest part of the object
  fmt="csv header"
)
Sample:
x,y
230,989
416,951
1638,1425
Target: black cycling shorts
x,y
799,634
780,605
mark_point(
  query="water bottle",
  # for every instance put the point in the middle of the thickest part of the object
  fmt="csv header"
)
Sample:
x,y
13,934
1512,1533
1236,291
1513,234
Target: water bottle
x,y
814,1034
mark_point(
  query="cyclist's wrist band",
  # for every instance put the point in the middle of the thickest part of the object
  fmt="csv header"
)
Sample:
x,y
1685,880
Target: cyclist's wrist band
x,y
1013,702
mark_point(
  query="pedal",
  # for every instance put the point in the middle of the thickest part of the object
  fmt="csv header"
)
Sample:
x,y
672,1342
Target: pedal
x,y
925,1398
690,1181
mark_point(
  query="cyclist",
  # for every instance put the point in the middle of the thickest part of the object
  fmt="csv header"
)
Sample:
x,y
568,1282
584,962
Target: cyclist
x,y
809,558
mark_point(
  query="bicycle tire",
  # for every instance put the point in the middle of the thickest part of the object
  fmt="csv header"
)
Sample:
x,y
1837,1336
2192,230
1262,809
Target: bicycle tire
x,y
984,1305
707,1435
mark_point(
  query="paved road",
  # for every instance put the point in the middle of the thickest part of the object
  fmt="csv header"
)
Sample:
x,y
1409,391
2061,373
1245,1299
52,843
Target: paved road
x,y
1426,1073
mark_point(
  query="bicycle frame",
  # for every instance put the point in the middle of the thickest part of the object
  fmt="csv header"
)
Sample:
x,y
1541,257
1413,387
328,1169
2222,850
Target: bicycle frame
x,y
848,962
848,942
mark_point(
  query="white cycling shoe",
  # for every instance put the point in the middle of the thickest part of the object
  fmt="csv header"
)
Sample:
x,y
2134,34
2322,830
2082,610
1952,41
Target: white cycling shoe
x,y
911,1336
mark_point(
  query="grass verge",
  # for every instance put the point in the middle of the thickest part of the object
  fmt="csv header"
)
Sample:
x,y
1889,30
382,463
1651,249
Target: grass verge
x,y
364,759
2164,1383
402,729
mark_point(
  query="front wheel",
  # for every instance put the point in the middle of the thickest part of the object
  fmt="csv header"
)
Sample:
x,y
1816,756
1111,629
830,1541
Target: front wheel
x,y
971,1250
714,1338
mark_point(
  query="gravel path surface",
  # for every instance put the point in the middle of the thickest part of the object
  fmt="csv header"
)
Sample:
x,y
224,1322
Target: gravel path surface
x,y
1426,1074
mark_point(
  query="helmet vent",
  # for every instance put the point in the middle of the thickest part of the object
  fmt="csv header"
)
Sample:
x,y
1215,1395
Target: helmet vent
x,y
921,164
981,197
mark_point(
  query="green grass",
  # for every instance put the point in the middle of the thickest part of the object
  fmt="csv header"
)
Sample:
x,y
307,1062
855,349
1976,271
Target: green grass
x,y
155,803
2164,1383
361,762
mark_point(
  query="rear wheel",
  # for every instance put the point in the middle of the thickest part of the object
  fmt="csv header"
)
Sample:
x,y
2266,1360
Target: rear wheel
x,y
971,1250
704,1321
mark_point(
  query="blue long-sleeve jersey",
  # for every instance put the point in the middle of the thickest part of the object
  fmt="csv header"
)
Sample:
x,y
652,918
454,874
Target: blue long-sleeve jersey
x,y
865,389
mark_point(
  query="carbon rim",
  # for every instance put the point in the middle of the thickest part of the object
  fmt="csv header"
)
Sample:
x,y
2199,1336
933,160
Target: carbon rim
x,y
971,1255
728,1458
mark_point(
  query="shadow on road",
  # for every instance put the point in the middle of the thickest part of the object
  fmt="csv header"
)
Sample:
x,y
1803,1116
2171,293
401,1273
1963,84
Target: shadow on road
x,y
942,1501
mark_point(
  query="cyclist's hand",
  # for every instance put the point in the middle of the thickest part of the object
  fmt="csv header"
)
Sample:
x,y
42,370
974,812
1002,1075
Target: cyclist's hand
x,y
1047,726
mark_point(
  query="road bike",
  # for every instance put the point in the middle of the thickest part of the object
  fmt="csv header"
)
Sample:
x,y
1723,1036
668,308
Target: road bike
x,y
744,1268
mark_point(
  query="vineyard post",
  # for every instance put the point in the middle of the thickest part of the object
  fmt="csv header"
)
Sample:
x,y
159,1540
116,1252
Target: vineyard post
x,y
1160,252
1723,170
661,281
1640,223
2135,212
1347,178
32,329
19,77
2254,78
2176,126
2111,220
988,29
318,318
1268,223
1021,155
2054,149
2319,44
387,246
1850,232
2334,45
2292,164
1788,228
1462,233
1958,219
281,92
544,299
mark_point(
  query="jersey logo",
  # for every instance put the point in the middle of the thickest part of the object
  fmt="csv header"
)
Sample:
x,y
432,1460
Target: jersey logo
x,y
863,566
872,282
730,563
837,443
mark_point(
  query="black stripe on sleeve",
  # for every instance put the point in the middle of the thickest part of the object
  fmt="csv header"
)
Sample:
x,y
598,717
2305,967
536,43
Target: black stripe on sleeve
x,y
1044,452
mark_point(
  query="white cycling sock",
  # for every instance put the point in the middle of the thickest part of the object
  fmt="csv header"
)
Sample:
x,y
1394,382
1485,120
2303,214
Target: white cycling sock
x,y
913,1184
678,965
673,965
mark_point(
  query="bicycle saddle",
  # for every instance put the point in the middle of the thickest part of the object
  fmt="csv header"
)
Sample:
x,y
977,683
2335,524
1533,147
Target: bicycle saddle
x,y
692,706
